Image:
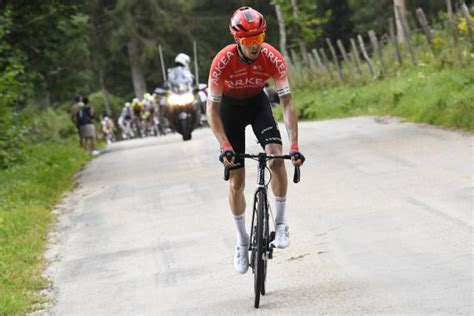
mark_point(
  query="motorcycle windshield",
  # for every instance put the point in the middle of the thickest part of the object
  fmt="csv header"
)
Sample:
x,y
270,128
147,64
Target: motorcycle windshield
x,y
180,79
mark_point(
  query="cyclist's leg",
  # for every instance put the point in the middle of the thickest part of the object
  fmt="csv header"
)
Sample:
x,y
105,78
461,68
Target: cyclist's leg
x,y
266,130
234,127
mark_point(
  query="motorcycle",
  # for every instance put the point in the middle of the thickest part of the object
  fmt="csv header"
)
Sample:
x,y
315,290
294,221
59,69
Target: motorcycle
x,y
180,108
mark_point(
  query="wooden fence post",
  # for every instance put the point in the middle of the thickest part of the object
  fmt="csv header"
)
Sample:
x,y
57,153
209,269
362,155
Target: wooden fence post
x,y
366,56
326,62
320,63
355,53
393,39
334,56
312,65
452,24
426,28
375,44
346,59
407,36
470,28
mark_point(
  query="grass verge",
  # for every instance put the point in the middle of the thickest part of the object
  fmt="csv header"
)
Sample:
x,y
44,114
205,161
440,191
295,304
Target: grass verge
x,y
28,192
442,98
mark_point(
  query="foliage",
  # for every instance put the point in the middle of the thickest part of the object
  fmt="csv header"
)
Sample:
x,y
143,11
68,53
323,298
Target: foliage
x,y
51,36
306,25
27,193
96,99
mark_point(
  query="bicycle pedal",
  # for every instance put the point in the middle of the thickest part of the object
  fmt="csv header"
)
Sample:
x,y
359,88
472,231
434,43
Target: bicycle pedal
x,y
272,236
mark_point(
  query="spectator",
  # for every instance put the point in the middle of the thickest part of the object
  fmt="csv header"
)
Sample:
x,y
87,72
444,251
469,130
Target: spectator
x,y
85,118
74,110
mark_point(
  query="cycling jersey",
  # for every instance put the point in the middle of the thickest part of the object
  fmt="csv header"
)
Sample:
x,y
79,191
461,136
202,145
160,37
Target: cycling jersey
x,y
230,76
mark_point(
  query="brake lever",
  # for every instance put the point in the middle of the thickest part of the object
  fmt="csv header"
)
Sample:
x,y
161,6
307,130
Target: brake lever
x,y
226,173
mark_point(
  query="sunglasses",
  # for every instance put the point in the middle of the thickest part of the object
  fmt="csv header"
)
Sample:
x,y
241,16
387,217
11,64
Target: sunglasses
x,y
249,41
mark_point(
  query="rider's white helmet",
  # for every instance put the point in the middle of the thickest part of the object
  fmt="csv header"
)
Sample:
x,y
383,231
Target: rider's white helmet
x,y
182,59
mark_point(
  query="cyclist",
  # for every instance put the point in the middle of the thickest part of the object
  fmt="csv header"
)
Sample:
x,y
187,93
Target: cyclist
x,y
236,99
108,128
137,108
125,121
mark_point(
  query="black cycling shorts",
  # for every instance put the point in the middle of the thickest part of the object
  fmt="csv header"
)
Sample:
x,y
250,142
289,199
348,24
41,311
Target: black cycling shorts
x,y
236,114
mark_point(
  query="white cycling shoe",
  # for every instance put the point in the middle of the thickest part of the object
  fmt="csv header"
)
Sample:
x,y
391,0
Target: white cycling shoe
x,y
241,259
282,236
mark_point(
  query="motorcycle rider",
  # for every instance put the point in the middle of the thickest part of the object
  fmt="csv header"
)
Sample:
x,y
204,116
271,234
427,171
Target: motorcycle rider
x,y
180,72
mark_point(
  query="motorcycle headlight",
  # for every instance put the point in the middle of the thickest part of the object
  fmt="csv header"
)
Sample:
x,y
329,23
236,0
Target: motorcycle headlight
x,y
180,99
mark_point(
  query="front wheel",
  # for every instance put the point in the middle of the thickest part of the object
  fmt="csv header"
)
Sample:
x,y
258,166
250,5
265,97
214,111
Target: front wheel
x,y
259,270
186,129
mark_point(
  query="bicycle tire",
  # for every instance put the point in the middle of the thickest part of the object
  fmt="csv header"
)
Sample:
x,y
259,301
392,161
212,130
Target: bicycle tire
x,y
266,231
259,262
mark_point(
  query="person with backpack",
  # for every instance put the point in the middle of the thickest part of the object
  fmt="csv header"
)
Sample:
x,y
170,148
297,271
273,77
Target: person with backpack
x,y
85,117
74,110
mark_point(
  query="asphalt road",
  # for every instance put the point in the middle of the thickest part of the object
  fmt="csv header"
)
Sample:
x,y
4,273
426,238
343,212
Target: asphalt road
x,y
381,223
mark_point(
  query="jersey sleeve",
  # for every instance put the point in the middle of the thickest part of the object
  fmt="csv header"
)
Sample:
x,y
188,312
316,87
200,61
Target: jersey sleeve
x,y
280,74
215,83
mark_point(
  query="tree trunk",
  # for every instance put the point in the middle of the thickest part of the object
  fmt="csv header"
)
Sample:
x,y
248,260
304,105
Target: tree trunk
x,y
105,94
398,18
301,43
139,84
282,30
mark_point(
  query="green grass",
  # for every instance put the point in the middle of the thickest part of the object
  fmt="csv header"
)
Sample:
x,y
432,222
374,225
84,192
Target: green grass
x,y
28,191
428,95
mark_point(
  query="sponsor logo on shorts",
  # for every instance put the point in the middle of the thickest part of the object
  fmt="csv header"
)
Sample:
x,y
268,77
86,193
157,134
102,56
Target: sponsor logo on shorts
x,y
272,139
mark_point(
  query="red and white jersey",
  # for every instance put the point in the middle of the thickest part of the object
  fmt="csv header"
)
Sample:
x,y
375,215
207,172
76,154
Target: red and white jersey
x,y
230,76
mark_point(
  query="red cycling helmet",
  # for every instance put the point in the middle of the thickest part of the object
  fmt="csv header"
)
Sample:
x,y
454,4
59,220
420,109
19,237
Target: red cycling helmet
x,y
246,22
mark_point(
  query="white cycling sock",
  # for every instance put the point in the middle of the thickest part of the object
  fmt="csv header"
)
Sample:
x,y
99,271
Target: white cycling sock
x,y
280,205
242,236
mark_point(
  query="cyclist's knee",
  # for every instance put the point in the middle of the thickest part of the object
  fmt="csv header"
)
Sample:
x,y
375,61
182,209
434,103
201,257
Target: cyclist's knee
x,y
237,181
276,164
273,149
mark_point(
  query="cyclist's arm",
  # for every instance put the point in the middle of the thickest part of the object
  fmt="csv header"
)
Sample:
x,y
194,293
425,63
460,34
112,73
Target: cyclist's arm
x,y
215,122
289,116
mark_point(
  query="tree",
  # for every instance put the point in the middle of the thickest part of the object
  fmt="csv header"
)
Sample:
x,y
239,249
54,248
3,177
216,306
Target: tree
x,y
53,38
282,31
339,24
303,21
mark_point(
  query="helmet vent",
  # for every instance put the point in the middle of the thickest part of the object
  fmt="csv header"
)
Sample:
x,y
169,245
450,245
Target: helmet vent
x,y
248,16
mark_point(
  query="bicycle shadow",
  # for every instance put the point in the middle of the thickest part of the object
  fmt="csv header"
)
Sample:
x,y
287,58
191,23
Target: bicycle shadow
x,y
317,299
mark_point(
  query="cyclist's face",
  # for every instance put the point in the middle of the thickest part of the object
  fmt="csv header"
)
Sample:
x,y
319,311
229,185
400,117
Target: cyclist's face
x,y
251,45
252,51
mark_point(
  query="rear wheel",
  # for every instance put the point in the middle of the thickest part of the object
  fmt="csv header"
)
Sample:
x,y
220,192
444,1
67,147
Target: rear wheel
x,y
259,268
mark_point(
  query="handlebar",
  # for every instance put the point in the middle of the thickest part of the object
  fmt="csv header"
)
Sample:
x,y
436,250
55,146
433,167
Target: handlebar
x,y
296,174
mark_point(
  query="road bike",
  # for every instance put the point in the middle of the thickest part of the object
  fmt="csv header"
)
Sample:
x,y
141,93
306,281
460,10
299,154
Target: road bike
x,y
261,248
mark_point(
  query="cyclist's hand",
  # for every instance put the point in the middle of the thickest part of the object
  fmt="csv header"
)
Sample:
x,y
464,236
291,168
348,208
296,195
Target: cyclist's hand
x,y
297,158
227,156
